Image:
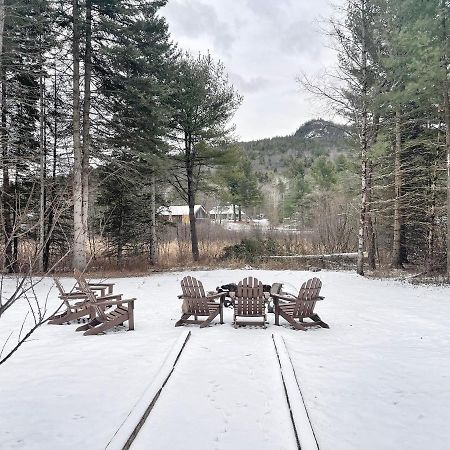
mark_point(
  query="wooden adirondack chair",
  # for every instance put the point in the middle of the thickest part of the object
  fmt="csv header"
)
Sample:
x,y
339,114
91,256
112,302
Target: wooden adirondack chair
x,y
119,311
74,311
249,301
77,310
196,303
300,308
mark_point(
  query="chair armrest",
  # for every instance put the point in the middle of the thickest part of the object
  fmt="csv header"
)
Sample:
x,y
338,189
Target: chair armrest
x,y
110,297
97,286
78,304
218,295
114,302
284,297
72,295
101,284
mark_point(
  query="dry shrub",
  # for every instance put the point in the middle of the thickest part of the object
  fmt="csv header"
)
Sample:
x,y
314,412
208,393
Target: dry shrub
x,y
334,226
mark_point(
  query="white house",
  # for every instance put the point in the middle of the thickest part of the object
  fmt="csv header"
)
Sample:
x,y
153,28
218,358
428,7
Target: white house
x,y
225,212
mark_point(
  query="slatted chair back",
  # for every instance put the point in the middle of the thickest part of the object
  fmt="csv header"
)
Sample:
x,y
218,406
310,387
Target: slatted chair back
x,y
59,286
84,287
307,297
194,296
249,299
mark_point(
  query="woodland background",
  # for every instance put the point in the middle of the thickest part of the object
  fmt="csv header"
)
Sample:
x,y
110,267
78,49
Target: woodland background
x,y
104,120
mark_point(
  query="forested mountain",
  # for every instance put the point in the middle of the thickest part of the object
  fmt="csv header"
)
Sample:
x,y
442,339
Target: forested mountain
x,y
313,139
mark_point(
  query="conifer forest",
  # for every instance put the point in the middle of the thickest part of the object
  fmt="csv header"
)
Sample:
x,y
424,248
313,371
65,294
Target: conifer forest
x,y
106,122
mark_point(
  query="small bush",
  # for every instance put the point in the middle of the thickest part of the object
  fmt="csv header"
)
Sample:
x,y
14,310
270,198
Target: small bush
x,y
250,249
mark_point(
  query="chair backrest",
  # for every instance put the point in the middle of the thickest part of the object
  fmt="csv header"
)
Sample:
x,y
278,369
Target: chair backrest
x,y
249,298
194,296
307,297
59,286
62,292
84,286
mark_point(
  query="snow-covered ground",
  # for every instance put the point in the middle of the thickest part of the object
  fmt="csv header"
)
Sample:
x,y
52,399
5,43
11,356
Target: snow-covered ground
x,y
379,378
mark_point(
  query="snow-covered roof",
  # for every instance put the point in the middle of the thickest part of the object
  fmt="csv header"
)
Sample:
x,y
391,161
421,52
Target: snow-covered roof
x,y
225,209
178,210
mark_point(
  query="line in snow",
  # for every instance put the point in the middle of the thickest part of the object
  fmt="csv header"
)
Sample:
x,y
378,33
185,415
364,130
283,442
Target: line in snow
x,y
304,433
128,430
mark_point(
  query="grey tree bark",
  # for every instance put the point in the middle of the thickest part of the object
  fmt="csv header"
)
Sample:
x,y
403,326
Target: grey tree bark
x,y
42,176
446,98
86,120
192,220
363,141
396,240
79,243
371,235
153,259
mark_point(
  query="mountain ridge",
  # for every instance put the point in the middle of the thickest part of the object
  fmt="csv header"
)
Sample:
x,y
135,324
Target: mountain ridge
x,y
312,139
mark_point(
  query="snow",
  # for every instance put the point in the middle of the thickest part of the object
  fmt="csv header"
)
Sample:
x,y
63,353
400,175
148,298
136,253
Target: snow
x,y
302,423
140,411
377,379
222,395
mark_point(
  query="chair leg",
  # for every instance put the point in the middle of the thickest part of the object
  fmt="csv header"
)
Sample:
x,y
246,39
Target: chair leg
x,y
103,326
183,318
292,321
210,318
68,317
131,316
63,318
57,316
92,323
318,320
277,313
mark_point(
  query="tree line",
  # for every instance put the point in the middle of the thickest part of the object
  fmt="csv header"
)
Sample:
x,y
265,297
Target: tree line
x,y
392,85
101,114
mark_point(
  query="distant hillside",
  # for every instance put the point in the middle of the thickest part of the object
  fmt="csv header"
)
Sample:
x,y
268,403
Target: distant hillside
x,y
312,139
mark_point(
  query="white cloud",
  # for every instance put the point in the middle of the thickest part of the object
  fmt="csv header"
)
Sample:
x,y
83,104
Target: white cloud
x,y
265,45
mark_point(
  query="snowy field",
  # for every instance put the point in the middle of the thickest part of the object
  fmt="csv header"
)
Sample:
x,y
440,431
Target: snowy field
x,y
379,378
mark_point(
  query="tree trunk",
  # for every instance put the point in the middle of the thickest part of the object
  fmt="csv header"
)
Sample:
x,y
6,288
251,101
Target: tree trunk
x,y
361,240
6,187
43,163
2,131
192,220
52,193
447,147
240,213
2,28
79,243
153,242
234,213
120,235
86,119
371,237
7,223
445,94
432,218
363,143
396,245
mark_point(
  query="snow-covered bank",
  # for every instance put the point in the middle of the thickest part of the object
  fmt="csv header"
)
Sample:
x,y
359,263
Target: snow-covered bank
x,y
377,379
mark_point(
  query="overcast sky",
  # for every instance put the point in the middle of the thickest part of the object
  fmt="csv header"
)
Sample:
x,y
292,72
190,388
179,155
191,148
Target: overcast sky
x,y
265,45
